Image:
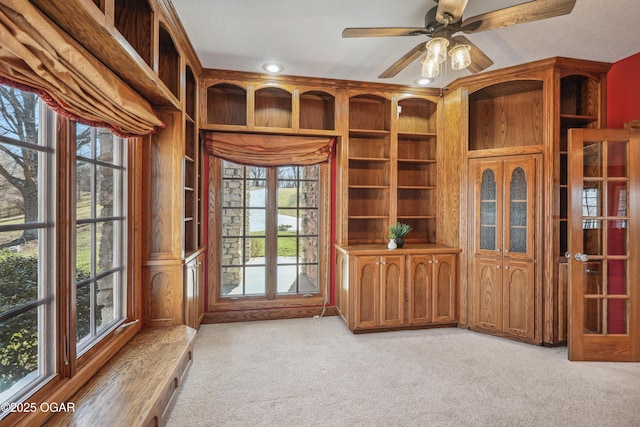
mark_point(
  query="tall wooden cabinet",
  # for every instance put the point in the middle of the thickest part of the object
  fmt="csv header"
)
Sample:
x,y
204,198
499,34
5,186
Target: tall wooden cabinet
x,y
505,191
389,173
519,111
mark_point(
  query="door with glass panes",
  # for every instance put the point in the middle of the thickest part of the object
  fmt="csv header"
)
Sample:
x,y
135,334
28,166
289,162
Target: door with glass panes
x,y
604,239
503,286
271,220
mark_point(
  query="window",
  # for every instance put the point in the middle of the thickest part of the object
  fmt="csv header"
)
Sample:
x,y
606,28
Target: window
x,y
100,233
40,254
590,208
27,254
271,243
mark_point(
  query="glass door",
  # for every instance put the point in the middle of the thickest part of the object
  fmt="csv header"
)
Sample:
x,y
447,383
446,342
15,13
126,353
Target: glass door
x,y
603,238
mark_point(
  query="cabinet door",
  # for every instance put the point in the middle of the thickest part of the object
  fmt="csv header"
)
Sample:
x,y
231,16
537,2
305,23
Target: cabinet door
x,y
444,288
200,289
519,207
518,288
366,295
488,294
392,290
419,289
487,213
190,295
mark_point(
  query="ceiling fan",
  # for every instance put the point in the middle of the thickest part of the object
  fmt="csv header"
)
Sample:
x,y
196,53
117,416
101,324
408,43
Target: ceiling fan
x,y
445,20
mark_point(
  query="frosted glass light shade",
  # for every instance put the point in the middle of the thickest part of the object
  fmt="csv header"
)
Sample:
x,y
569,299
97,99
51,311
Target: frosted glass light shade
x,y
437,50
430,68
460,57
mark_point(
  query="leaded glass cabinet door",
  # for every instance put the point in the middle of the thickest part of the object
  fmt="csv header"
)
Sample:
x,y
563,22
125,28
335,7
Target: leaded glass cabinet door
x,y
519,207
604,200
488,207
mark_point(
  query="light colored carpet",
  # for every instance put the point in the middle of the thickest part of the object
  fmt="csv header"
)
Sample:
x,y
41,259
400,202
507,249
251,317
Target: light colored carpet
x,y
314,372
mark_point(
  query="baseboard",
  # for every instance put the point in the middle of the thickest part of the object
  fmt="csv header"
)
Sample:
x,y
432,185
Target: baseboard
x,y
229,316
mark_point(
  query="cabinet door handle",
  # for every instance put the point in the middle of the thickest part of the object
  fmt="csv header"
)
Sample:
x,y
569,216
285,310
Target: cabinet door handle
x,y
436,261
430,262
497,266
507,267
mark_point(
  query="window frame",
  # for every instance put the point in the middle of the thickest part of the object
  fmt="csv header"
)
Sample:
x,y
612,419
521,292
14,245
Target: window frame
x,y
46,226
69,371
278,300
118,272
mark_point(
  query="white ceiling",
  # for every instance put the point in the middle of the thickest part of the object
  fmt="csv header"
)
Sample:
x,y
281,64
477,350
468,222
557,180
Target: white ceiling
x,y
304,36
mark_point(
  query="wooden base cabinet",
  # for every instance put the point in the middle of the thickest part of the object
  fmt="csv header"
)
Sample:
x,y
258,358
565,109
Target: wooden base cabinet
x,y
505,296
378,291
431,288
380,288
194,290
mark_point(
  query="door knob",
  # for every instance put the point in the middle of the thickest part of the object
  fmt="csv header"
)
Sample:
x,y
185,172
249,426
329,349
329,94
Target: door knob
x,y
581,257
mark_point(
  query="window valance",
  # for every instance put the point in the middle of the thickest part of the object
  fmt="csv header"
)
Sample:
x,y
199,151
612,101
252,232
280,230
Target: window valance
x,y
269,150
37,56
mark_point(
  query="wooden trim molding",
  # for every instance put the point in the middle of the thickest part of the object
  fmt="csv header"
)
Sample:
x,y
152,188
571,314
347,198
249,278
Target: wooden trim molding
x,y
267,314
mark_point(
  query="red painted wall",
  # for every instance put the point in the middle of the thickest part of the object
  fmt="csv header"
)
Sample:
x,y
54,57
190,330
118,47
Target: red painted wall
x,y
623,92
623,105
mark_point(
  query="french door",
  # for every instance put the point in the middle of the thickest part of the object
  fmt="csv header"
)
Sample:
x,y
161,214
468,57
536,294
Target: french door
x,y
604,240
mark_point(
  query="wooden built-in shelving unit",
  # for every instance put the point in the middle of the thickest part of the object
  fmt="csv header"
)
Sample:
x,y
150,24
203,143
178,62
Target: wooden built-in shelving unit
x,y
252,104
524,110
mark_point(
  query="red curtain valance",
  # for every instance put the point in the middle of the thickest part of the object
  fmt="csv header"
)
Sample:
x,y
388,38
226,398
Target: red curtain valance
x,y
37,56
269,150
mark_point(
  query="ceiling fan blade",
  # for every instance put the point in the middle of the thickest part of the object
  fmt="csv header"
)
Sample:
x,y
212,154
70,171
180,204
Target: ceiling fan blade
x,y
453,8
479,61
407,59
383,32
518,14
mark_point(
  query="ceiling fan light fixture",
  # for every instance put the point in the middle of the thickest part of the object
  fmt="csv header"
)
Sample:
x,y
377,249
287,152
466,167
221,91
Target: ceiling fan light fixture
x,y
460,57
437,50
430,68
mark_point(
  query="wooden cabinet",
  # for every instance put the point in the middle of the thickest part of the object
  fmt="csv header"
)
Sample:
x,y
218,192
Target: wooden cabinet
x,y
388,289
378,291
247,102
194,290
523,110
505,297
503,288
431,288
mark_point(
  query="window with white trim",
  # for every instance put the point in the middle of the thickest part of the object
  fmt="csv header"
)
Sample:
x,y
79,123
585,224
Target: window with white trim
x,y
100,237
27,244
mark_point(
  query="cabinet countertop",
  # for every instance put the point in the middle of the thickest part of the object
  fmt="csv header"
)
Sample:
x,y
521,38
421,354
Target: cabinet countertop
x,y
409,248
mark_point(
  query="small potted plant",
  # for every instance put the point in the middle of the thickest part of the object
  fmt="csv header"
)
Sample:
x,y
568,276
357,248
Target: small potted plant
x,y
397,233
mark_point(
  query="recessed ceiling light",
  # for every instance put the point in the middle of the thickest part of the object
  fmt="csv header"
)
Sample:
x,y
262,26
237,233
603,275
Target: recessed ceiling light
x,y
272,67
423,82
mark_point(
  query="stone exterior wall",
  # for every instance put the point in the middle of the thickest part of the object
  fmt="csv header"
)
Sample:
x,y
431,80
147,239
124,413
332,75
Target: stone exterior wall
x,y
232,253
310,225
